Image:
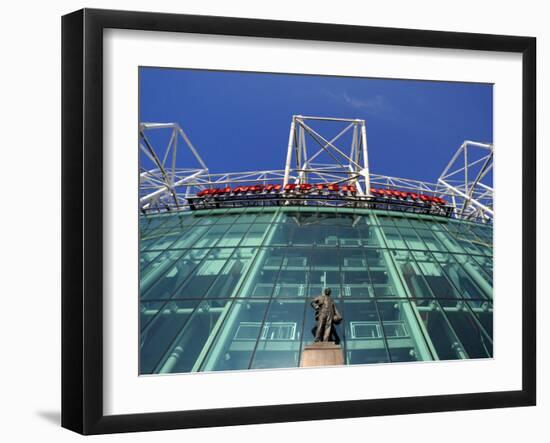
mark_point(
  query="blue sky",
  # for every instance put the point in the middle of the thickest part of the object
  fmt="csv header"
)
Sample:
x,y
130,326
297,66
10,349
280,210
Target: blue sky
x,y
240,121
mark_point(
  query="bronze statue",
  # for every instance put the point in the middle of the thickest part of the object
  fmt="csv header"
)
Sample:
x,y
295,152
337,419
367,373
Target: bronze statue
x,y
326,315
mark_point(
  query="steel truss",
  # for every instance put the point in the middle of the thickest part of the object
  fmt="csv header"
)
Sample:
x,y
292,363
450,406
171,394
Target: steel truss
x,y
463,184
467,180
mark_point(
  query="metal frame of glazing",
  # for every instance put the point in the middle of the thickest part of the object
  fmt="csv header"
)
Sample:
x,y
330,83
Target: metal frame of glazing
x,y
229,289
463,183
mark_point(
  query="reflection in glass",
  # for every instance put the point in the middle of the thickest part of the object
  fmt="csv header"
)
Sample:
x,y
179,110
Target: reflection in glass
x,y
225,289
281,335
183,354
467,329
364,336
160,279
236,342
440,333
404,336
162,331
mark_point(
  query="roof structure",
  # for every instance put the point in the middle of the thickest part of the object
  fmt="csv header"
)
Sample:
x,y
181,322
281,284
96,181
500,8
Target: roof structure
x,y
316,165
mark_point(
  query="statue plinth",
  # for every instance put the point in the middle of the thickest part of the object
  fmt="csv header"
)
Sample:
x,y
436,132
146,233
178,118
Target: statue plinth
x,y
323,353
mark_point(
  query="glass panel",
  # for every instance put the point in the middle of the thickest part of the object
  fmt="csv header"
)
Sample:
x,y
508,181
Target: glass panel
x,y
370,235
146,257
411,274
200,281
384,219
473,340
190,237
158,336
325,271
247,217
483,310
148,224
233,235
364,337
281,335
238,336
305,234
263,274
205,218
282,234
443,338
355,275
393,239
181,221
411,238
350,237
211,238
435,276
431,241
255,235
485,264
466,240
185,353
326,218
323,236
158,239
292,279
228,218
230,278
469,284
161,285
265,216
384,276
403,335
147,311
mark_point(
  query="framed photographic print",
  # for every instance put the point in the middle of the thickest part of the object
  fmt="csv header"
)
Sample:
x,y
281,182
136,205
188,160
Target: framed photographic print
x,y
269,221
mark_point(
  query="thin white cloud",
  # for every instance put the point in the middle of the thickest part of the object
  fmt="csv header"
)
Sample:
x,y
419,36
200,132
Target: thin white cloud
x,y
376,104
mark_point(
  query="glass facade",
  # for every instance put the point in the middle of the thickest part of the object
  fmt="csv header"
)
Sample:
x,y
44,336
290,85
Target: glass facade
x,y
230,289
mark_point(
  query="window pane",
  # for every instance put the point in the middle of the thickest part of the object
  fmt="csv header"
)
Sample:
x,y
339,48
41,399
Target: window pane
x,y
282,234
293,276
255,235
473,340
230,278
147,311
200,281
263,274
393,239
146,257
483,310
403,334
469,284
211,237
325,271
185,352
355,274
383,274
411,274
281,335
437,279
189,238
158,336
431,241
168,277
364,336
238,336
443,338
233,235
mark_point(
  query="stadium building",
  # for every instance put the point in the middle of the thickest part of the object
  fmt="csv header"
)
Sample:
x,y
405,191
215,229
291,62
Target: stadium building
x,y
229,262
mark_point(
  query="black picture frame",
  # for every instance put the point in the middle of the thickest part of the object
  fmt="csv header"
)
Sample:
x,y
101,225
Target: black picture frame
x,y
82,218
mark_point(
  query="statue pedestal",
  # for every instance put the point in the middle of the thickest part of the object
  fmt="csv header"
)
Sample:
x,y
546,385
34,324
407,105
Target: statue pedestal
x,y
322,354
